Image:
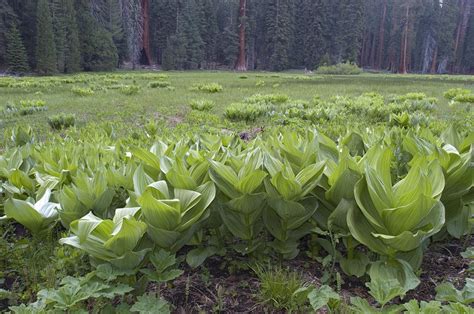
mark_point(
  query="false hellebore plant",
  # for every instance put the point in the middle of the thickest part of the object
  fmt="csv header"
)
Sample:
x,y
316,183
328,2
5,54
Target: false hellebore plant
x,y
37,217
115,241
394,220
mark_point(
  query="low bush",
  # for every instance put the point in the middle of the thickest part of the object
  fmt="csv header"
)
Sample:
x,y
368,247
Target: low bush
x,y
159,84
340,69
79,91
467,98
202,105
246,112
455,92
208,88
62,121
129,89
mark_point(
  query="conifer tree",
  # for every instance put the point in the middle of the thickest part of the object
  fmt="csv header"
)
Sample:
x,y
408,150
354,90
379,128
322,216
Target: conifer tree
x,y
16,58
72,52
278,33
59,23
190,28
45,46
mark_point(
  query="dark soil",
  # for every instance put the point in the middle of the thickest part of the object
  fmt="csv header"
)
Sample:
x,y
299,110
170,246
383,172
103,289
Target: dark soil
x,y
214,288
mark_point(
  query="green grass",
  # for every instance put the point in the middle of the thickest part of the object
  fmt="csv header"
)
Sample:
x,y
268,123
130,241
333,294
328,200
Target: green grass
x,y
109,103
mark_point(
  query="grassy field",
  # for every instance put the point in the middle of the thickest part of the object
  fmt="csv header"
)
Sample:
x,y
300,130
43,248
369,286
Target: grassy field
x,y
192,192
108,104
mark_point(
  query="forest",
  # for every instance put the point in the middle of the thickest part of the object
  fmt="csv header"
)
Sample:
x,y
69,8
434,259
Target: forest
x,y
237,156
66,36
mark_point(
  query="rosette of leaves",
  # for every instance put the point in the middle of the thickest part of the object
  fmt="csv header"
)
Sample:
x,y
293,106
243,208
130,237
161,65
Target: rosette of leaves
x,y
455,158
336,197
114,241
174,215
291,203
38,217
391,219
84,195
241,199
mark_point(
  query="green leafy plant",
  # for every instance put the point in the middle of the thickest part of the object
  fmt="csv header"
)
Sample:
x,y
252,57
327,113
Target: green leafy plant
x,y
113,241
397,218
150,304
339,69
174,215
164,264
159,84
129,90
37,217
61,121
290,203
208,88
79,91
202,105
446,292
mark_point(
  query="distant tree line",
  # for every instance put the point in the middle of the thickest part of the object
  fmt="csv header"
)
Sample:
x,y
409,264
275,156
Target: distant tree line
x,y
65,36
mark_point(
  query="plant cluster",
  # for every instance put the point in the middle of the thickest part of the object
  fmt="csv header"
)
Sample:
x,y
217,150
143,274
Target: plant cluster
x,y
25,107
210,88
62,121
339,69
387,193
79,91
129,90
202,105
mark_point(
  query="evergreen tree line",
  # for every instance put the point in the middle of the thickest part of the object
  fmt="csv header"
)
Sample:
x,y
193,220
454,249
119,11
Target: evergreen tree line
x,y
65,36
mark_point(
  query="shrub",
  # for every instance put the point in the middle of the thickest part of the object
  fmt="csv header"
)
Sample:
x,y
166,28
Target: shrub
x,y
202,105
246,112
340,69
82,91
208,88
129,89
465,98
62,121
159,84
268,99
454,92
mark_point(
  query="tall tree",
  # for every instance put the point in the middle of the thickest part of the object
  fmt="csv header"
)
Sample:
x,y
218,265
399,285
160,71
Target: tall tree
x,y
98,52
72,48
241,64
45,45
16,58
278,32
381,39
7,18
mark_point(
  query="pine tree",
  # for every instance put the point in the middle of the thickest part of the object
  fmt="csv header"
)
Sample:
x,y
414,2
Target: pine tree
x,y
59,26
350,29
72,52
98,52
7,17
113,23
278,33
45,46
314,44
208,29
16,58
188,24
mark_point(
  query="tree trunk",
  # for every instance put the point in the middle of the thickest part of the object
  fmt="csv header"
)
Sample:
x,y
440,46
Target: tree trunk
x,y
146,31
241,64
372,52
435,60
465,10
381,36
404,45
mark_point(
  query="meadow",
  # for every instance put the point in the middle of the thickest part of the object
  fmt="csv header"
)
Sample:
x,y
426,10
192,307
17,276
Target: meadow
x,y
190,192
